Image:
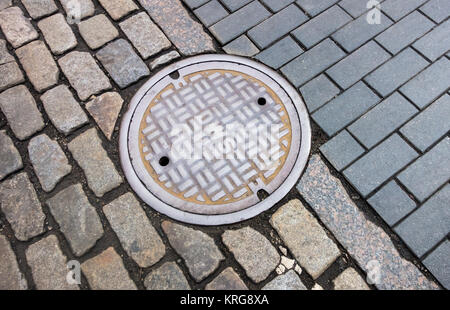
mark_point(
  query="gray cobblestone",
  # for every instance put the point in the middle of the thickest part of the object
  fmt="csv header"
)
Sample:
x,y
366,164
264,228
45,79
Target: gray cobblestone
x,y
234,5
5,56
309,64
21,111
437,262
356,65
396,9
57,34
120,52
280,53
144,35
100,172
10,75
314,7
277,26
241,46
97,31
382,120
136,234
344,109
379,164
163,59
5,3
78,221
437,10
396,71
211,13
9,156
17,29
430,125
392,203
252,251
105,109
429,84
285,282
39,8
49,161
436,43
429,172
86,8
321,26
10,276
118,8
227,280
404,32
167,277
318,91
22,209
428,225
341,150
349,279
39,65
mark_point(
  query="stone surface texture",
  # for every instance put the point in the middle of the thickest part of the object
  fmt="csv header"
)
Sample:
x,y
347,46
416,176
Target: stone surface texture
x,y
97,31
167,277
289,281
105,109
9,156
16,27
349,279
58,34
227,280
11,278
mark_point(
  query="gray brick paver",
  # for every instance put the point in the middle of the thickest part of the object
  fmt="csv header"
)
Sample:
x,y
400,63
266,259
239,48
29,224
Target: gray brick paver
x,y
355,7
211,13
276,5
396,9
318,91
233,5
241,46
437,10
314,7
436,43
439,264
280,53
341,150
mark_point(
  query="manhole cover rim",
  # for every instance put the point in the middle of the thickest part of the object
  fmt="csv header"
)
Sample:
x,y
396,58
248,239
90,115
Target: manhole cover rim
x,y
202,219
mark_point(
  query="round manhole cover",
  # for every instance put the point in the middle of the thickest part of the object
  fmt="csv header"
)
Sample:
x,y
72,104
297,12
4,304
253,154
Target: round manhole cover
x,y
214,139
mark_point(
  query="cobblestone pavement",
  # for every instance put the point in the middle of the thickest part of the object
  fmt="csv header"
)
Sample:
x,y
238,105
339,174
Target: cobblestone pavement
x,y
370,212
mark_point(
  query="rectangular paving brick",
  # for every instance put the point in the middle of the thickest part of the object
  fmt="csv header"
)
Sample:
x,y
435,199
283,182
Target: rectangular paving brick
x,y
403,33
436,43
277,26
429,172
276,5
321,26
314,7
396,71
280,53
380,164
392,203
396,9
344,109
239,22
311,63
193,4
358,64
355,7
429,84
439,264
233,5
318,91
211,13
437,10
118,8
430,125
241,46
382,120
341,150
359,31
427,225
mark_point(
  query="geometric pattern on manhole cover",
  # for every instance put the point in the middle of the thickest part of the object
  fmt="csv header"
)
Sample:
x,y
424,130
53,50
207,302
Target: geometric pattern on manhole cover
x,y
203,136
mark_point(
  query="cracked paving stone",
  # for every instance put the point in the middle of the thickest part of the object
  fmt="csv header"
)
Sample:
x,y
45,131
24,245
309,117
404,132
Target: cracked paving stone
x,y
63,110
105,109
39,8
97,31
118,8
5,56
48,265
78,9
100,172
120,52
363,240
10,75
49,161
253,252
288,281
9,156
179,27
304,236
22,209
146,37
161,60
84,74
227,280
21,111
107,272
39,65
349,279
78,220
167,277
58,34
16,27
11,278
136,234
198,250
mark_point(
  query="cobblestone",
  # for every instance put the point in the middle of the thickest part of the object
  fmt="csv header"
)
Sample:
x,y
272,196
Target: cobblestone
x,y
48,265
9,156
227,280
144,35
304,236
439,264
97,31
17,29
241,46
5,3
10,75
253,252
105,109
349,279
49,161
22,209
211,13
78,9
341,150
78,220
136,234
57,33
5,56
437,10
11,278
21,112
107,272
436,43
288,281
163,59
118,8
167,277
100,172
354,7
198,250
39,8
84,74
280,53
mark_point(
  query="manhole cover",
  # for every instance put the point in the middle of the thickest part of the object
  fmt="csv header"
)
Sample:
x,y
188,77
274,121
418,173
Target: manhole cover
x,y
214,139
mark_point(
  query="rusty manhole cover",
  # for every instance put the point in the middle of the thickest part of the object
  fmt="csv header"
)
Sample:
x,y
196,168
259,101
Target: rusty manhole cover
x,y
214,139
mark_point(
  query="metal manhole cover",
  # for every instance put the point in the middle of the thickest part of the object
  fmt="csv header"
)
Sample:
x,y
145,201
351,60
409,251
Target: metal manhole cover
x,y
206,137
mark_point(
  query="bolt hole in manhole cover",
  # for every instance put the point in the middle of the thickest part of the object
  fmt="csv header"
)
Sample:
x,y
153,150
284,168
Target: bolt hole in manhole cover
x,y
214,139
